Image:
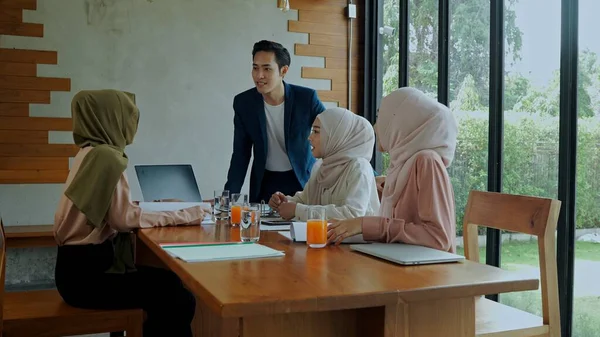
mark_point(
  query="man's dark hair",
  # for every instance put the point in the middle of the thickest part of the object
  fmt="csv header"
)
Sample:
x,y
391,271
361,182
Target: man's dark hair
x,y
282,55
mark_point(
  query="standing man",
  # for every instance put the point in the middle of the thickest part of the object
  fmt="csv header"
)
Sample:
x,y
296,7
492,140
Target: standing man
x,y
273,120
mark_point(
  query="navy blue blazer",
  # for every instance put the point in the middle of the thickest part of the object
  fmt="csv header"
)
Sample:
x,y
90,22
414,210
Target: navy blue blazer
x,y
302,105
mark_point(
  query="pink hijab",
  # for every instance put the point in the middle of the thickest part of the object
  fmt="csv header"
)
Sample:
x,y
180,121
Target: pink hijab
x,y
408,123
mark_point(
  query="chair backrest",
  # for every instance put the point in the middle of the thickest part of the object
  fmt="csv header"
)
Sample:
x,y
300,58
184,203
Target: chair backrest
x,y
522,214
2,273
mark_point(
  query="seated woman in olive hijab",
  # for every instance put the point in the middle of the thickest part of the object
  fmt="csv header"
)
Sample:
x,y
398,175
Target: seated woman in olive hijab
x,y
94,266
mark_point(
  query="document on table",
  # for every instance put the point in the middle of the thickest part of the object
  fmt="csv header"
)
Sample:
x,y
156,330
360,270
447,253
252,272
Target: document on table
x,y
221,251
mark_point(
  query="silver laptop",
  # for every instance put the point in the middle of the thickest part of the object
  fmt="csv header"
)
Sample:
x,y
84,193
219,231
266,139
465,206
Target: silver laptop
x,y
407,254
168,182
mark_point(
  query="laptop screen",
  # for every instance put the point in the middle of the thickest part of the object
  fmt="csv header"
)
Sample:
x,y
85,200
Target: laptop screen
x,y
168,182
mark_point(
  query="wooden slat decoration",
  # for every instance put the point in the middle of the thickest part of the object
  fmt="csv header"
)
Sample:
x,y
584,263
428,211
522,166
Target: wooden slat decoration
x,y
36,123
28,56
34,163
321,17
23,137
333,96
33,176
343,86
340,63
35,83
324,51
22,29
331,6
22,4
11,14
14,109
24,96
321,28
328,40
18,69
38,150
322,73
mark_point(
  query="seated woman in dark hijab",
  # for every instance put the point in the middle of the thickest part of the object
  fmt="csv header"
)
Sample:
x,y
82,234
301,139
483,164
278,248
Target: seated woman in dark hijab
x,y
94,266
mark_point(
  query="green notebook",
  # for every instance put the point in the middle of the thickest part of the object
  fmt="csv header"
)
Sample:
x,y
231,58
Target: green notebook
x,y
221,252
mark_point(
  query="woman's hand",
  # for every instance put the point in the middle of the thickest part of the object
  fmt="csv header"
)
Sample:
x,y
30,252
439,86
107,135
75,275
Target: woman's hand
x,y
380,181
287,210
277,199
339,230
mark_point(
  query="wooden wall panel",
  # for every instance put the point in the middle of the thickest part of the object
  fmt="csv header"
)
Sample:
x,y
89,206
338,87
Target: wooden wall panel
x,y
18,69
28,56
14,109
23,137
22,29
36,123
326,24
33,176
25,155
11,14
38,150
24,96
35,83
34,163
20,4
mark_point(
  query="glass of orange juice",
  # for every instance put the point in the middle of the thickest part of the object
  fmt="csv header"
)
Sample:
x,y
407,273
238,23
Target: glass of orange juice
x,y
316,228
238,201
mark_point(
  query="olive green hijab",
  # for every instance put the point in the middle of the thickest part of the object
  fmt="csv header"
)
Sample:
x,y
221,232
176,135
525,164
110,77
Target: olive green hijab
x,y
108,121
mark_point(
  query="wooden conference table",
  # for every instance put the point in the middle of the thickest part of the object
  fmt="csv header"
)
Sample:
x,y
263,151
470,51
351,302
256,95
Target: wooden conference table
x,y
325,292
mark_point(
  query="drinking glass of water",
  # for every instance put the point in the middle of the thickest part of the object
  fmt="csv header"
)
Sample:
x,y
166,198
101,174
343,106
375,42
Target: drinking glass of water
x,y
221,205
250,224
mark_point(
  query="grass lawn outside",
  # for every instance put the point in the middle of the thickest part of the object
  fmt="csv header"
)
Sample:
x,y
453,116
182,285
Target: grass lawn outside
x,y
523,256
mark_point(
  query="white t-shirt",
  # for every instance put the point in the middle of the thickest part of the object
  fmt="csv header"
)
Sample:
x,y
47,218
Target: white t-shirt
x,y
277,158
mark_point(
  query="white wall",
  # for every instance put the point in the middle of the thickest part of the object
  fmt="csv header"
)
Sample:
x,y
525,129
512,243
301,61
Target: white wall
x,y
184,59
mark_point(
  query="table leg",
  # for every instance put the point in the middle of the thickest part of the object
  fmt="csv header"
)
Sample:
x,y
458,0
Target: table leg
x,y
448,318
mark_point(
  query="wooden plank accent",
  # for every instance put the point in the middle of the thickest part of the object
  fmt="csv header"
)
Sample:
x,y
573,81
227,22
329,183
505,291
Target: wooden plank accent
x,y
18,69
343,86
23,137
28,56
338,75
14,109
36,123
35,83
331,6
321,17
333,96
22,4
340,63
24,96
38,150
321,28
22,29
34,163
324,51
11,14
328,40
33,176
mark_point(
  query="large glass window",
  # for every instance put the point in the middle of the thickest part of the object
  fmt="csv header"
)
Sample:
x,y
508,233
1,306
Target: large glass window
x,y
531,125
469,77
586,305
423,46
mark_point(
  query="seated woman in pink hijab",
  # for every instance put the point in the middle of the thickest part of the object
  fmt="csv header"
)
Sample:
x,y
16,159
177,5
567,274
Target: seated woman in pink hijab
x,y
417,204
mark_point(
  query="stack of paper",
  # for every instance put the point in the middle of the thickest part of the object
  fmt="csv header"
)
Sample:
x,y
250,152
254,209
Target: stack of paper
x,y
176,206
221,251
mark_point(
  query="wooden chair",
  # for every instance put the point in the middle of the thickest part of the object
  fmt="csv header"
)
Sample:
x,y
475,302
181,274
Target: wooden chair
x,y
528,215
43,313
